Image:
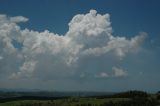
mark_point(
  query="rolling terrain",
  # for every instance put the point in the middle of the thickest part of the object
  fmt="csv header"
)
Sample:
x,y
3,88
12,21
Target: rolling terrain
x,y
129,98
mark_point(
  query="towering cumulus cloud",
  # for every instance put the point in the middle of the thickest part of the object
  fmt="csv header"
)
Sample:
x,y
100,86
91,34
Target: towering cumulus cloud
x,y
88,49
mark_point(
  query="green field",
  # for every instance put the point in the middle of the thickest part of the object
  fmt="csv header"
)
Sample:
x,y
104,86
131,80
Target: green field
x,y
131,98
64,102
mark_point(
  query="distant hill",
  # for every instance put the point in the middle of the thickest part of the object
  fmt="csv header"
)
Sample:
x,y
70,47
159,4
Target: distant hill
x,y
7,93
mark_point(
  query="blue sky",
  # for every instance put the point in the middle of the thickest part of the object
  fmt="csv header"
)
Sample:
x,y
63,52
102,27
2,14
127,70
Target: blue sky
x,y
127,18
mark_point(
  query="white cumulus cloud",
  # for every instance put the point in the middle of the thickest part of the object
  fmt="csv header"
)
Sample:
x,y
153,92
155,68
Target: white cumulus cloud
x,y
102,75
47,55
119,72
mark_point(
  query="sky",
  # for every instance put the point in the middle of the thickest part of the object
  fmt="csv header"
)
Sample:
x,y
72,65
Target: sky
x,y
76,45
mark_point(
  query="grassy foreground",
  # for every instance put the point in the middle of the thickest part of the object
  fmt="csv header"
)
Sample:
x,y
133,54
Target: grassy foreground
x,y
64,102
132,98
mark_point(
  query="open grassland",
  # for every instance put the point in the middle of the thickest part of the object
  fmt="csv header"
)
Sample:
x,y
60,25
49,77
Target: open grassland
x,y
74,101
131,98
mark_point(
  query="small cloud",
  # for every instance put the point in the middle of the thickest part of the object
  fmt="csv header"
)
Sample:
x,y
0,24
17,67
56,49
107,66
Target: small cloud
x,y
118,72
1,58
140,73
18,19
152,41
102,75
82,75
